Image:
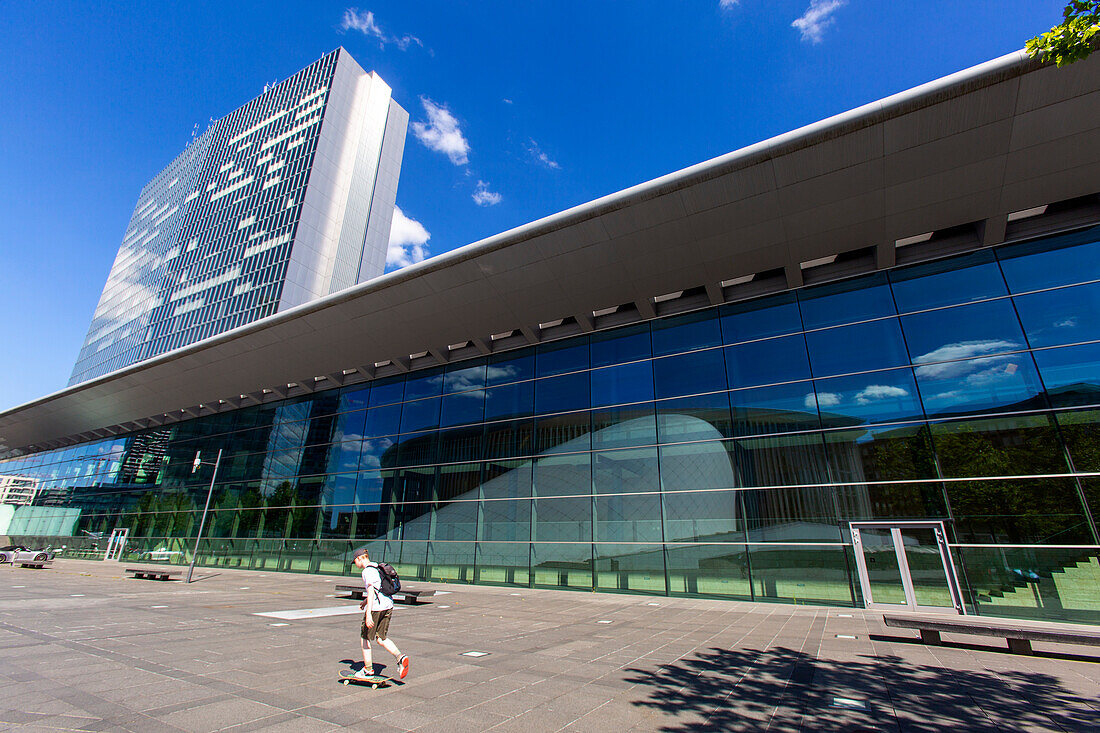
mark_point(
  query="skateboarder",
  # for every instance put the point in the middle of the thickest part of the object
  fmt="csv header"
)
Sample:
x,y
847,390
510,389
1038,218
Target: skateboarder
x,y
376,618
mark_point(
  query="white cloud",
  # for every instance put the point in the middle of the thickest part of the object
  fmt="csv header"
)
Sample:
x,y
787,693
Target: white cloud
x,y
727,4
484,197
364,22
817,17
873,392
408,240
441,133
824,399
959,350
507,101
537,153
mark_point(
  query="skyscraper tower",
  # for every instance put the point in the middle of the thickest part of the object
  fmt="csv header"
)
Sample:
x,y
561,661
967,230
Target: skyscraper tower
x,y
286,199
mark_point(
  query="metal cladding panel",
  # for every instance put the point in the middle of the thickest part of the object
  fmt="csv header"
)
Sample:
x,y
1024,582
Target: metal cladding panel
x,y
647,241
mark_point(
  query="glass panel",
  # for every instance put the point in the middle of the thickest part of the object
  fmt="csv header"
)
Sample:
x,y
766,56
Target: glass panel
x,y
628,519
947,282
626,471
782,408
703,417
564,393
767,362
694,373
704,516
619,427
513,366
1018,512
512,400
387,391
622,384
349,426
564,433
1064,316
509,439
378,453
420,415
463,408
868,398
755,319
382,421
889,453
876,502
461,444
630,568
503,563
992,384
1052,262
709,570
859,348
354,398
621,345
564,475
424,383
419,449
800,574
922,555
963,332
559,357
805,514
1081,432
1008,446
843,302
561,566
1071,374
464,375
1043,583
687,332
563,520
881,561
779,461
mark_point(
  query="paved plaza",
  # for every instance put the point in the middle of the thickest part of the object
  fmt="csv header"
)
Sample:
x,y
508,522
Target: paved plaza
x,y
84,647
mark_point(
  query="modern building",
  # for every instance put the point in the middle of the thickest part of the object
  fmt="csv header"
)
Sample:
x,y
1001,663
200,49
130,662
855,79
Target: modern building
x,y
856,364
284,200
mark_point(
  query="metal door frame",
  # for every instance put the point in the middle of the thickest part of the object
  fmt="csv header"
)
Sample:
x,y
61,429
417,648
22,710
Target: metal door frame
x,y
116,543
903,567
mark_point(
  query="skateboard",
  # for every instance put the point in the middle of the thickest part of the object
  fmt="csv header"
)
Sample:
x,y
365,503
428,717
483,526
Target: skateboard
x,y
375,681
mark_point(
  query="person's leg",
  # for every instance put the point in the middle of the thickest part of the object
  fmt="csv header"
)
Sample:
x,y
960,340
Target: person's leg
x,y
383,631
389,646
364,644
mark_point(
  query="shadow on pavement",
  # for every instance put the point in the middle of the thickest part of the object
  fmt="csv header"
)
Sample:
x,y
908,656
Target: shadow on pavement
x,y
787,690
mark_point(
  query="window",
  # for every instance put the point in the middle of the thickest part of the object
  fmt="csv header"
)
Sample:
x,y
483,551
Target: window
x,y
843,302
857,348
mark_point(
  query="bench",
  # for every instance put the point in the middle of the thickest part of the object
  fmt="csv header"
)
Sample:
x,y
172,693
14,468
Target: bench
x,y
152,573
1019,636
37,564
410,596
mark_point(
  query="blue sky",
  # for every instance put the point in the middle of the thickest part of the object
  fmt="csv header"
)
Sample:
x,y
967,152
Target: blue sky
x,y
518,110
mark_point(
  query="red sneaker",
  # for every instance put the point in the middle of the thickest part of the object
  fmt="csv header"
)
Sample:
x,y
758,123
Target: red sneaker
x,y
403,663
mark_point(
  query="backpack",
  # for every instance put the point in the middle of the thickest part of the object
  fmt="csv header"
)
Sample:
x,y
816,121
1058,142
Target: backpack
x,y
390,582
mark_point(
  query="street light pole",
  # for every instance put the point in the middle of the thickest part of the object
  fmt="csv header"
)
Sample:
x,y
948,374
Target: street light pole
x,y
202,524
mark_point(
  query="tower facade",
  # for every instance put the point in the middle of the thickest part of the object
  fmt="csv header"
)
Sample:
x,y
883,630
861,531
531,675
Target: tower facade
x,y
286,199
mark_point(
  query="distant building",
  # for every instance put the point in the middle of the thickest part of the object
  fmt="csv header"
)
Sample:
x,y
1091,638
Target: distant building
x,y
286,199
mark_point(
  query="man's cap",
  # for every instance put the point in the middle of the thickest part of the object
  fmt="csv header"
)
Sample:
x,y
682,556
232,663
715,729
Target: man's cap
x,y
358,554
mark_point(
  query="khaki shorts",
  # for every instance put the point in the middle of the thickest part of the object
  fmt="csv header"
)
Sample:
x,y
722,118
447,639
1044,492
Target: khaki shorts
x,y
381,625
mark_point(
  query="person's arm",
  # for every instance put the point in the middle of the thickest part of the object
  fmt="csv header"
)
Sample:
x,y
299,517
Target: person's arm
x,y
368,599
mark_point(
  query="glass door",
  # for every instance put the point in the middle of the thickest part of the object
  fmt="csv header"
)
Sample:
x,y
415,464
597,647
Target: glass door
x,y
116,544
905,566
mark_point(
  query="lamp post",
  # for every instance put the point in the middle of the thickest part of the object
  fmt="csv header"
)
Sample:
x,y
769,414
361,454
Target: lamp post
x,y
202,524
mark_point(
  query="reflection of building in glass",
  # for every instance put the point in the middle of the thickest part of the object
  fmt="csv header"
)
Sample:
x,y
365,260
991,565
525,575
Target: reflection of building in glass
x,y
18,489
708,385
286,199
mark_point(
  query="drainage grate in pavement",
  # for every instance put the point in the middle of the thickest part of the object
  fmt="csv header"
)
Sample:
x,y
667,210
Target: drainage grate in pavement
x,y
849,703
845,636
603,622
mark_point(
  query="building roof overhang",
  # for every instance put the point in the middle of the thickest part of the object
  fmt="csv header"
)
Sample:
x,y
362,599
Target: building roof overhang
x,y
960,153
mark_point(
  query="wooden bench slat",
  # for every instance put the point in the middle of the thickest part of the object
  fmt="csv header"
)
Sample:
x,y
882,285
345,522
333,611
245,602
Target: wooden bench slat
x,y
1019,637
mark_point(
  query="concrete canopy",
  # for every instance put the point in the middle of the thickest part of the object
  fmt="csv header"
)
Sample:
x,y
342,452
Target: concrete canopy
x,y
959,154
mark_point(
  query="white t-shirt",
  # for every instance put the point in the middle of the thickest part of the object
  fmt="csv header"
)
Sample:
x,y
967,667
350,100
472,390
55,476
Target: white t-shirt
x,y
372,581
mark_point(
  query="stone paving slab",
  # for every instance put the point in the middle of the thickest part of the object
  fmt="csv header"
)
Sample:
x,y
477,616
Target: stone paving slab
x,y
85,647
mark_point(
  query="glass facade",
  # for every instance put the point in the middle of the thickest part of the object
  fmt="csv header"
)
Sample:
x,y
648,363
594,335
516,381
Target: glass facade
x,y
725,452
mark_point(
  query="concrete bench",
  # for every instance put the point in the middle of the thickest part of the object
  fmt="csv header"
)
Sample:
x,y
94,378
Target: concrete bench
x,y
410,596
152,573
36,564
1019,636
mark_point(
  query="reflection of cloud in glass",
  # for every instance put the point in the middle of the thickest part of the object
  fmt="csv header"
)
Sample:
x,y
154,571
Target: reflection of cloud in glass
x,y
966,349
461,382
1067,323
500,373
975,371
873,392
372,452
824,399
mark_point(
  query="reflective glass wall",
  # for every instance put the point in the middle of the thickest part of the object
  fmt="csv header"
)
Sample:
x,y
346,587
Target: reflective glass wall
x,y
723,452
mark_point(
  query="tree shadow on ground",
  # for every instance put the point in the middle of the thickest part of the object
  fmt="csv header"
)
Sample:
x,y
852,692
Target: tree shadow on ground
x,y
787,690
